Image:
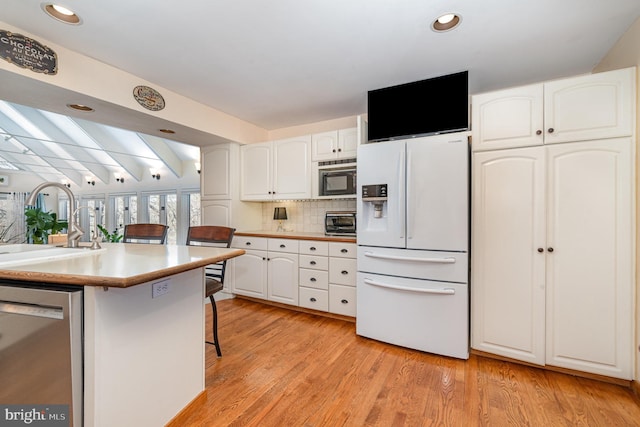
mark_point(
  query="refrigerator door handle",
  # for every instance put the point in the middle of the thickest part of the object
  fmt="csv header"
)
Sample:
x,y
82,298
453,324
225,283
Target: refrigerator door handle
x,y
447,260
445,291
401,196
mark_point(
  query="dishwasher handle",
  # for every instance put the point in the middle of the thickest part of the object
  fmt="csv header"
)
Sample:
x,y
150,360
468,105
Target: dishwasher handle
x,y
445,291
446,260
33,310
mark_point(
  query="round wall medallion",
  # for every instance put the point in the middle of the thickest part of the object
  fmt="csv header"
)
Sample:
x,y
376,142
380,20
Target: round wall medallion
x,y
148,97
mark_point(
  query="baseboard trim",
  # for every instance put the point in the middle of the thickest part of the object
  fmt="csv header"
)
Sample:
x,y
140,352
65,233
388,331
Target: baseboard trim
x,y
192,407
635,386
300,309
597,377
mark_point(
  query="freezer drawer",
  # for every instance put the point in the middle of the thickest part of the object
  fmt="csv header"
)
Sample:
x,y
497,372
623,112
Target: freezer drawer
x,y
413,313
432,265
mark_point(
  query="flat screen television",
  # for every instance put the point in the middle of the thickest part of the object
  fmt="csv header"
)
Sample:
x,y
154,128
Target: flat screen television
x,y
425,107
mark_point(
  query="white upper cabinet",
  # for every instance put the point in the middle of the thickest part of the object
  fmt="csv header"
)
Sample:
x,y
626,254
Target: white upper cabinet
x,y
508,118
333,145
588,107
276,170
215,175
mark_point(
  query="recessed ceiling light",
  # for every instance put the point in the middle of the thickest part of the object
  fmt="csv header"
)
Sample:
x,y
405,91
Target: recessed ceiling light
x,y
61,13
80,107
167,131
446,22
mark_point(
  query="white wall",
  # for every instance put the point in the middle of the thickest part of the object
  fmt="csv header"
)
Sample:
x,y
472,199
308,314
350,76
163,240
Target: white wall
x,y
626,53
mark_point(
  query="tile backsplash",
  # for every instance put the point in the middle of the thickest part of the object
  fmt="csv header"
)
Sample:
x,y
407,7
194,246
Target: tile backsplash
x,y
304,216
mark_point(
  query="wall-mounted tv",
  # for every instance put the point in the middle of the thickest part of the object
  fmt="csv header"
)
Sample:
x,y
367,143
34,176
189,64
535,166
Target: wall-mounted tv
x,y
425,107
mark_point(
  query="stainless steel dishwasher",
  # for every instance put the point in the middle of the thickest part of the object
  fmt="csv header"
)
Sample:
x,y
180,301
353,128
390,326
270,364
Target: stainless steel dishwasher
x,y
41,346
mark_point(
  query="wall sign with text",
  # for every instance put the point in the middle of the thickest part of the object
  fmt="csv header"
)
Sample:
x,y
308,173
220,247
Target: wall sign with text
x,y
27,53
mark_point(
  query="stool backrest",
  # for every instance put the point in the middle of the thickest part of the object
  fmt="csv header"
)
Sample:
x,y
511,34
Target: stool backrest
x,y
145,233
212,235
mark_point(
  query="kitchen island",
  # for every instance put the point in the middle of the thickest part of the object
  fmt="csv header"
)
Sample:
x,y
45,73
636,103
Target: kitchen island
x,y
143,322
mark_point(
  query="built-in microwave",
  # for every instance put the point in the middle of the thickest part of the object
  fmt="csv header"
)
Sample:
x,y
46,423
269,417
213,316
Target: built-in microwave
x,y
337,179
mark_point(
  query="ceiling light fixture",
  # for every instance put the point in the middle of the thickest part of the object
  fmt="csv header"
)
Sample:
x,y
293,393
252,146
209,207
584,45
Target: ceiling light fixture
x,y
446,22
154,174
198,166
61,13
90,180
80,107
119,177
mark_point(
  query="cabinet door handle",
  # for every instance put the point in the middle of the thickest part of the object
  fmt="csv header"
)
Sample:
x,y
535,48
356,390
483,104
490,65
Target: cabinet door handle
x,y
313,279
551,130
550,249
264,259
283,246
345,272
312,263
538,132
344,301
344,251
334,150
312,299
540,250
312,248
339,150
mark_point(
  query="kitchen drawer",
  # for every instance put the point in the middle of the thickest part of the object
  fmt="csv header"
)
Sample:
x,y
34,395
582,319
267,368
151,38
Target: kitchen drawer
x,y
314,262
311,247
342,300
283,245
255,243
316,299
342,250
314,278
342,271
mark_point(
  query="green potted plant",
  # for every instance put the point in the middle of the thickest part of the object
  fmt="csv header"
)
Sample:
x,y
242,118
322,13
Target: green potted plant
x,y
41,224
110,237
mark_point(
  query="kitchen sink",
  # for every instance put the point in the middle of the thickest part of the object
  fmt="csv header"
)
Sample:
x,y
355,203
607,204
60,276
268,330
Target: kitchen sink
x,y
18,254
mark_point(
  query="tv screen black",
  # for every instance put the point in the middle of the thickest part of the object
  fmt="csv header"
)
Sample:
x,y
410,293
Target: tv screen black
x,y
425,107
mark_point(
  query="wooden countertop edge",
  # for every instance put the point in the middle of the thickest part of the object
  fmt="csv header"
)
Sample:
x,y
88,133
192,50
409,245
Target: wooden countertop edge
x,y
111,282
296,237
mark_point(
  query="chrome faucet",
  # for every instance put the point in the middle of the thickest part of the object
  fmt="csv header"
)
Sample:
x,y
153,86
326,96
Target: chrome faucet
x,y
94,239
75,232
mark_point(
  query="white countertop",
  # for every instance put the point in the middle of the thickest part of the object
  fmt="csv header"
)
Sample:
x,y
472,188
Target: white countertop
x,y
116,265
299,235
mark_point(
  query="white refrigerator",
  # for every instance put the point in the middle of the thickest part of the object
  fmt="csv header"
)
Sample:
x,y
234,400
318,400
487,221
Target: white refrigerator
x,y
413,241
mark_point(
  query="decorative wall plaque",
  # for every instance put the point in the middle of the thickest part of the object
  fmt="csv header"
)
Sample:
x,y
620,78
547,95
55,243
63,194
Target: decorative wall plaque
x,y
27,53
148,97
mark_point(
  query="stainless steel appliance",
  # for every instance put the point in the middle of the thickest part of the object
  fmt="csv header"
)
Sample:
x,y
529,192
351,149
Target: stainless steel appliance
x,y
337,178
340,223
41,346
413,237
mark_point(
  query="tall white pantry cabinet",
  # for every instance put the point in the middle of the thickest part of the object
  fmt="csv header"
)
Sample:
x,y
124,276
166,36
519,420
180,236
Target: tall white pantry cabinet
x,y
553,208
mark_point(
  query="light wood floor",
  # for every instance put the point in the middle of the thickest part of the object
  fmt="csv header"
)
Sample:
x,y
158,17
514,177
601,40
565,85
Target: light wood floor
x,y
283,368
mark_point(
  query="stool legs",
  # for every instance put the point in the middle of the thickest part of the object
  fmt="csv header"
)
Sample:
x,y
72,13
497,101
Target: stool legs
x,y
215,342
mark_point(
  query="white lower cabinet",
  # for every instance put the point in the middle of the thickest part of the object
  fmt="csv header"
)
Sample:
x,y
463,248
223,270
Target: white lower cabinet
x,y
319,275
553,255
268,269
342,278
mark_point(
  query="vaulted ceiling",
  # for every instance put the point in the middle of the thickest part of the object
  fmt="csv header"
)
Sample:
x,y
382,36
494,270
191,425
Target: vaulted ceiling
x,y
64,149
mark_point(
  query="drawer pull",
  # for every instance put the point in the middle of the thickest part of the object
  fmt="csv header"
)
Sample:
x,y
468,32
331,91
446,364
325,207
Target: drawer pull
x,y
283,246
344,251
313,279
312,299
248,243
345,272
344,301
312,248
312,263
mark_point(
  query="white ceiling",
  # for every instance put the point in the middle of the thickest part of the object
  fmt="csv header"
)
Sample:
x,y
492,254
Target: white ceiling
x,y
282,63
